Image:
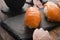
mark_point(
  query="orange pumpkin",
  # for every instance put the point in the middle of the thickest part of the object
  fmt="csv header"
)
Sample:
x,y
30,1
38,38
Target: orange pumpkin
x,y
52,12
32,17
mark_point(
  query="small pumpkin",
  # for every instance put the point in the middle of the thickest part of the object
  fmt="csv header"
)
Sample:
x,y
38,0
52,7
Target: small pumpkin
x,y
32,17
52,12
41,34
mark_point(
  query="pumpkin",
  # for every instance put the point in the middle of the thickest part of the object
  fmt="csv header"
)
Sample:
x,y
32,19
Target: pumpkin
x,y
52,12
32,17
41,34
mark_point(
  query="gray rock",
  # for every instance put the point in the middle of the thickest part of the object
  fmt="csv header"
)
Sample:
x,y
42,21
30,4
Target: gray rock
x,y
3,16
